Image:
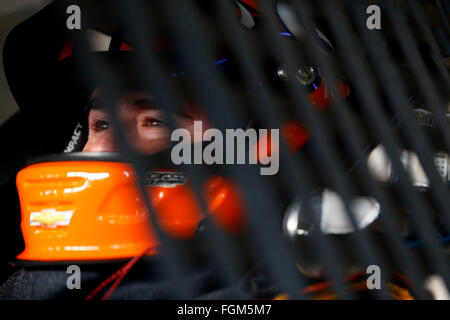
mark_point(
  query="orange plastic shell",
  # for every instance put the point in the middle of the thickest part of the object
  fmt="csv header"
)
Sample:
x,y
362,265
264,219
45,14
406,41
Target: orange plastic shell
x,y
93,210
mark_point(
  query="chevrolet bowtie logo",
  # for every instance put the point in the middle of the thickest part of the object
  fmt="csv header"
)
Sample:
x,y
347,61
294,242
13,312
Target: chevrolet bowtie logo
x,y
50,218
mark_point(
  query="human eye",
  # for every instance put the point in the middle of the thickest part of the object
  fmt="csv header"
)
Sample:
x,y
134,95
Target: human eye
x,y
101,125
153,123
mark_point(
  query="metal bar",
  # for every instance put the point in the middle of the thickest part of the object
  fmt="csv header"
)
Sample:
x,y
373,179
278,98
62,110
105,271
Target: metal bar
x,y
396,93
273,251
415,135
270,248
172,258
264,107
428,36
328,157
146,60
406,40
341,112
372,106
441,13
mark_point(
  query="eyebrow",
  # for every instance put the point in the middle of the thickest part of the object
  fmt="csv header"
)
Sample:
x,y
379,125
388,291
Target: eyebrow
x,y
94,103
137,103
145,103
141,103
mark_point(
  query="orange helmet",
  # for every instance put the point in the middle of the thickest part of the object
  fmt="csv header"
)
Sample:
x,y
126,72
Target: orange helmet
x,y
75,210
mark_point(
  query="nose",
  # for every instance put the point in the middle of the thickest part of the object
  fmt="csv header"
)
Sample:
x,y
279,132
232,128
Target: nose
x,y
103,144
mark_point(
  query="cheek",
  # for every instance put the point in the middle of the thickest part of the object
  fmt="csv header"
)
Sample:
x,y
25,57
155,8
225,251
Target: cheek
x,y
88,147
100,142
150,133
196,133
151,146
149,140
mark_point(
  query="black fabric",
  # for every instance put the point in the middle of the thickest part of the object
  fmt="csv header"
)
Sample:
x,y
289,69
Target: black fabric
x,y
144,281
24,135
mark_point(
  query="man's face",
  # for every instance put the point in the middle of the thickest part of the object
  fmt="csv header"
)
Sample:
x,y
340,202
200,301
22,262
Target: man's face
x,y
143,121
